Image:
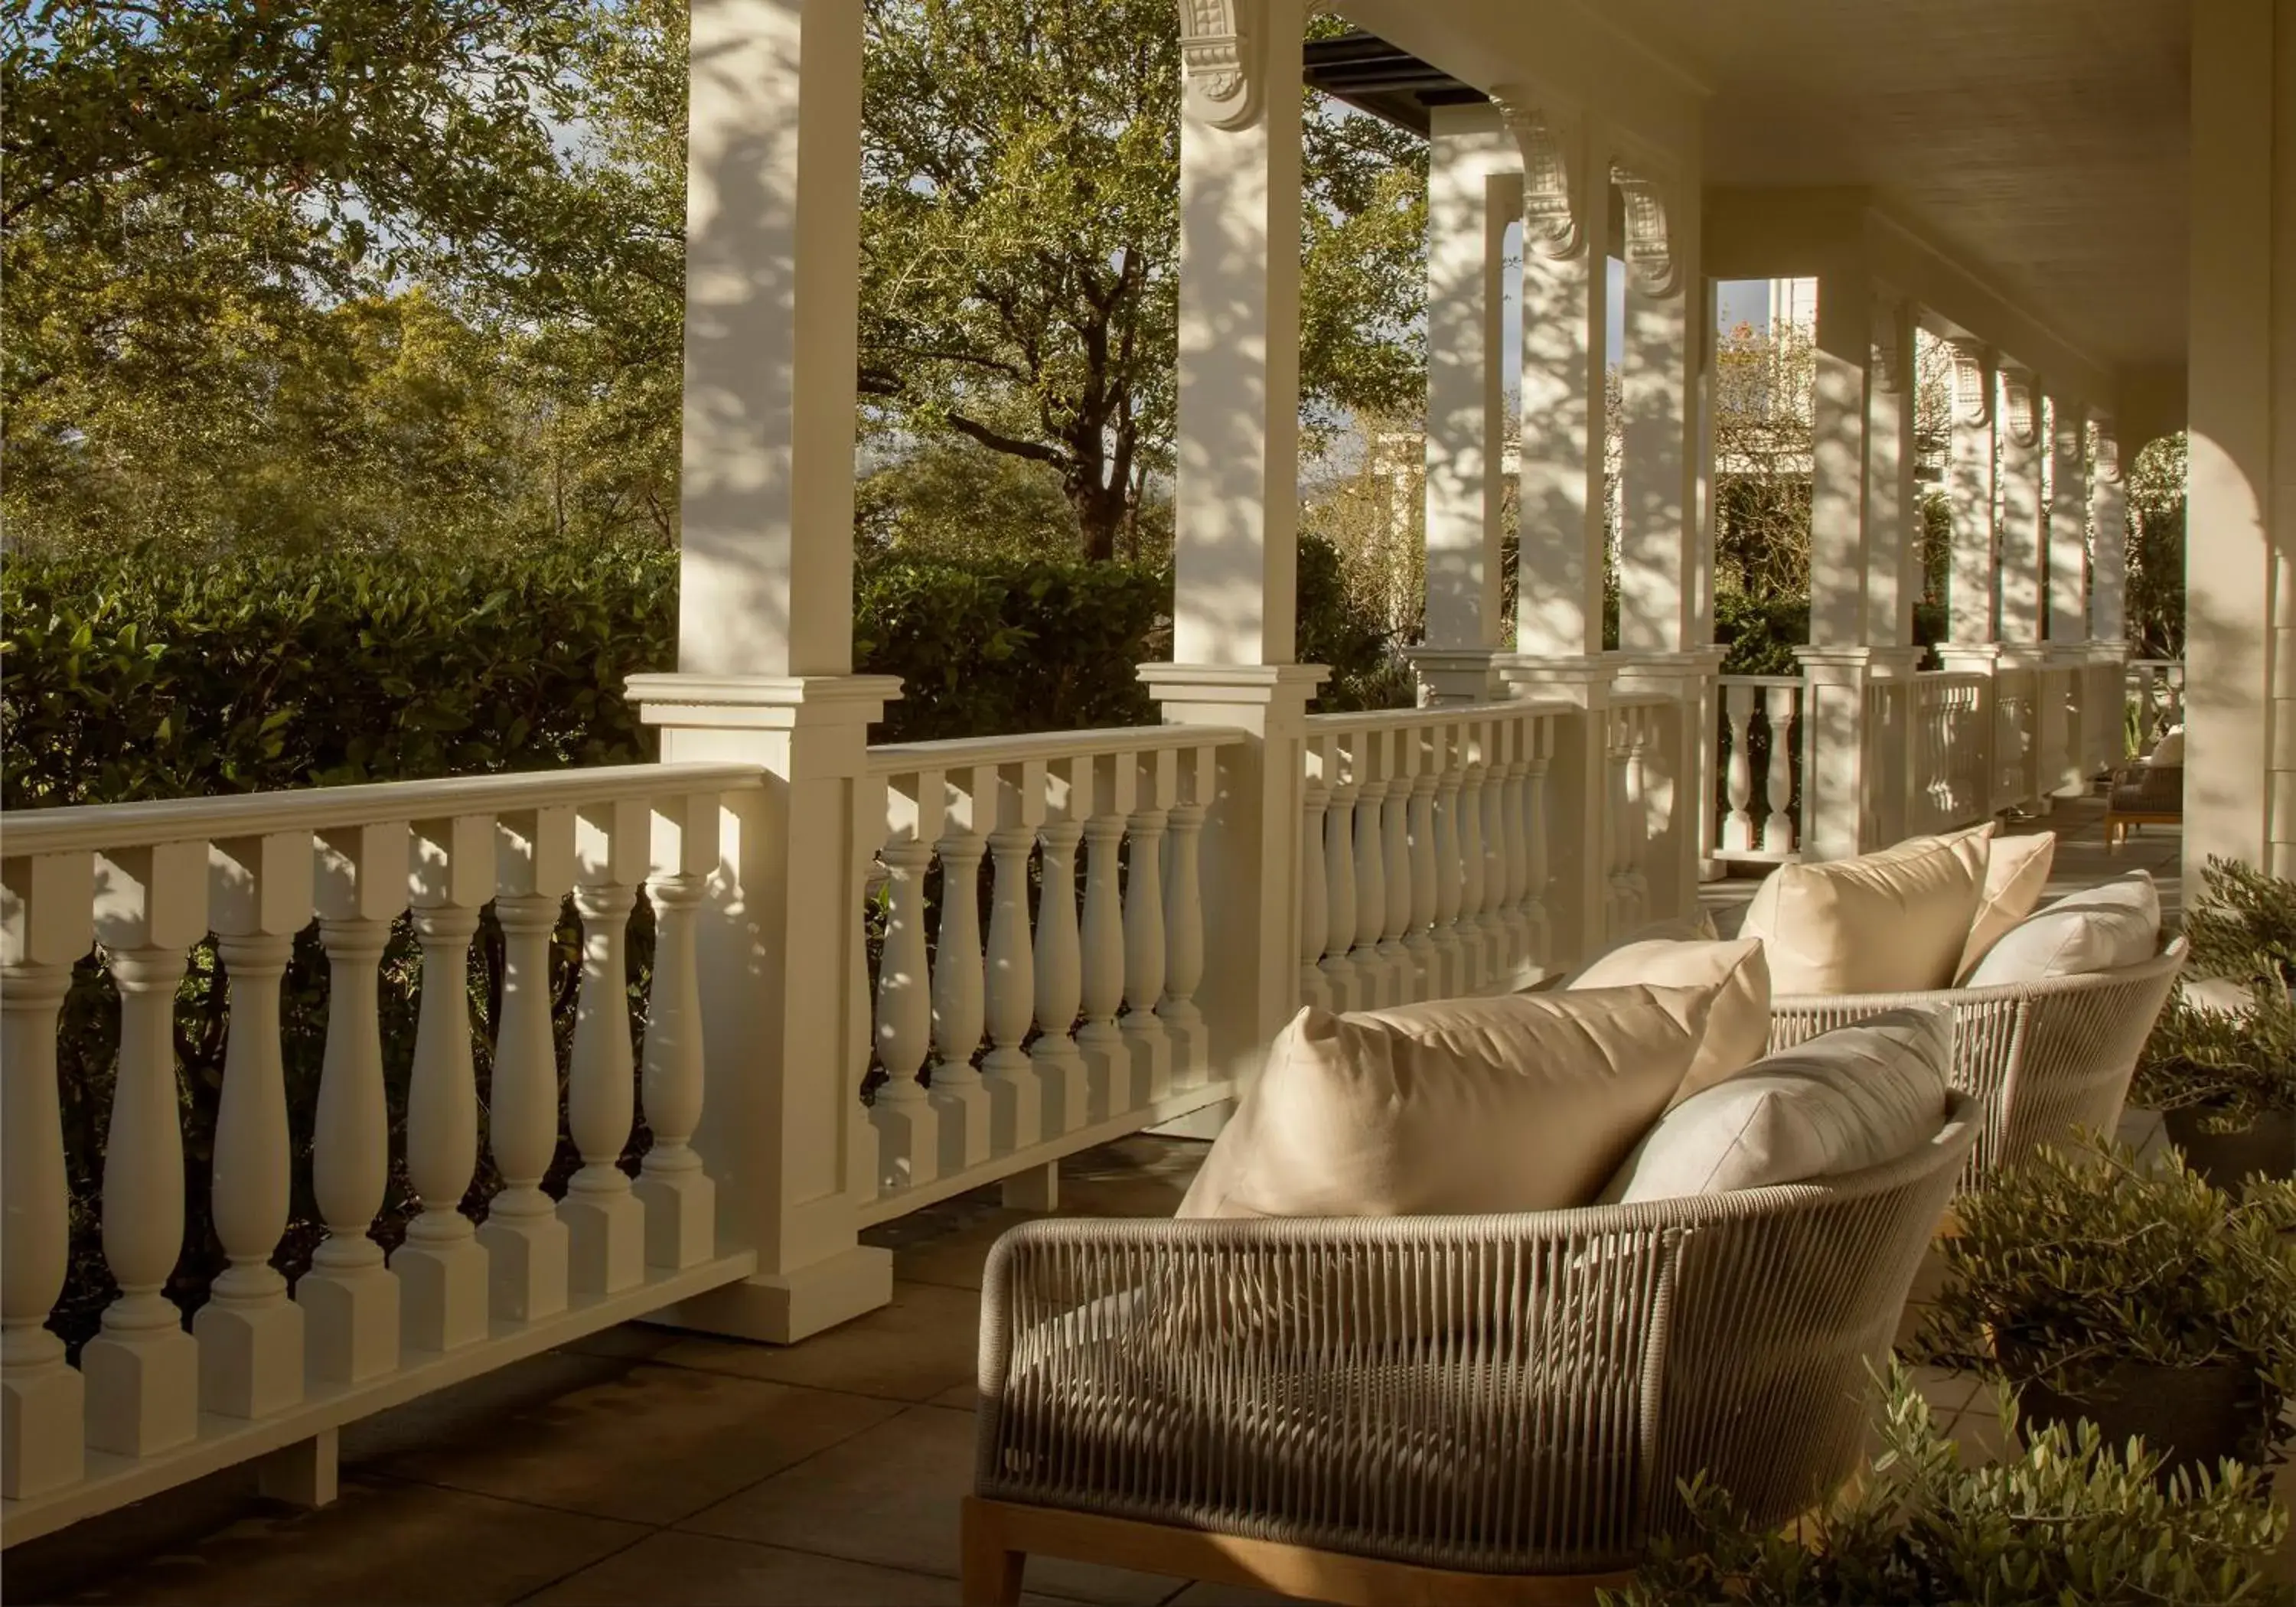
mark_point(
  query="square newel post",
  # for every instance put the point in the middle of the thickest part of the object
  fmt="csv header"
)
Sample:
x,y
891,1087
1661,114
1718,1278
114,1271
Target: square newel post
x,y
1577,803
1474,192
2108,502
1971,599
764,656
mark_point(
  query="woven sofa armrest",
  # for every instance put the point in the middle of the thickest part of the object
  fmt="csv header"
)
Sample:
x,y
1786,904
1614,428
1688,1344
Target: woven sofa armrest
x,y
1476,1392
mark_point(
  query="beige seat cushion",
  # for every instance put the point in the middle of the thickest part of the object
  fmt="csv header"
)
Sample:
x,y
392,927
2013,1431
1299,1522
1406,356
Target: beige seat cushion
x,y
1522,1103
1846,1100
1737,1029
2103,927
2016,871
1892,921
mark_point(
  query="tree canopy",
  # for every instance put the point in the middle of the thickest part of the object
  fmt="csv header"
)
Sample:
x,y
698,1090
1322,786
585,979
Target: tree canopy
x,y
337,270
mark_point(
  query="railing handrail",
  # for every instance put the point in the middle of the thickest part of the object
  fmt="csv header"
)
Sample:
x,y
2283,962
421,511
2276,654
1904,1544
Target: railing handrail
x,y
1443,714
82,828
952,753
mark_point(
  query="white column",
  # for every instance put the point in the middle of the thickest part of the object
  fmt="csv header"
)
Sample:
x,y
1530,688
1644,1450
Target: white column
x,y
2109,514
1474,191
1235,503
2024,564
1657,383
1566,246
2241,499
1892,515
1837,514
765,654
44,930
2068,566
1969,484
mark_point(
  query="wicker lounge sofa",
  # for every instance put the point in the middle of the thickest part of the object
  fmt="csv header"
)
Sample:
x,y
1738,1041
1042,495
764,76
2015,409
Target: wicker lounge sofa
x,y
2041,1059
1434,1409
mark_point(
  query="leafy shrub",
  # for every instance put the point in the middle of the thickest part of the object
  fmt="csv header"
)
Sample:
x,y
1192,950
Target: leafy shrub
x,y
2069,1519
2241,1062
2077,1258
2243,924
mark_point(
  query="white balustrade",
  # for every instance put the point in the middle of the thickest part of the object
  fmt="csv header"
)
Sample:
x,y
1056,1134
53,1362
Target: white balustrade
x,y
1948,751
151,1404
1085,1019
1457,852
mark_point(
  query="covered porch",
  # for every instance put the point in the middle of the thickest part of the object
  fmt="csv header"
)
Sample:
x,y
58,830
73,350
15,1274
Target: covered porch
x,y
835,1045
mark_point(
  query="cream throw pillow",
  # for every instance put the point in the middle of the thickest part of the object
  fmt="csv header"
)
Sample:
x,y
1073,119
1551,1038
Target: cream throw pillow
x,y
1521,1103
2103,927
1737,1029
2016,871
2169,749
1892,921
1844,1100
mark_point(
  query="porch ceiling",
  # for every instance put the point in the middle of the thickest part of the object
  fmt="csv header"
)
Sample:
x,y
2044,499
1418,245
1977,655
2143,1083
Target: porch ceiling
x,y
2046,143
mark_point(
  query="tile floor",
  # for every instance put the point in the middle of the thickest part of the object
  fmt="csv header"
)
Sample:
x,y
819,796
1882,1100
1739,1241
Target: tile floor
x,y
646,1465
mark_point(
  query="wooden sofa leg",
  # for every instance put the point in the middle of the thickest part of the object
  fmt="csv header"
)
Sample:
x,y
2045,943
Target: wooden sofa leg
x,y
992,1570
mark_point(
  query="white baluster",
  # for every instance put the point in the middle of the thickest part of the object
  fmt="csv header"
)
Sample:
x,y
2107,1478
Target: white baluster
x,y
1422,757
529,1251
1315,803
143,1371
1498,946
1348,990
1016,1098
907,1125
1738,771
349,1299
1537,755
1514,847
1395,855
680,1197
1450,952
605,1224
1472,946
1108,1061
250,1334
43,929
1184,924
1778,829
1143,928
441,1265
1061,1074
1639,818
958,1096
1368,759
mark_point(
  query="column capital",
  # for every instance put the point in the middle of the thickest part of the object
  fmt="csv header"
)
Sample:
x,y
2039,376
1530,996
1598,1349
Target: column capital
x,y
1970,658
1220,59
1551,133
1972,386
1455,675
1272,684
2020,406
1584,681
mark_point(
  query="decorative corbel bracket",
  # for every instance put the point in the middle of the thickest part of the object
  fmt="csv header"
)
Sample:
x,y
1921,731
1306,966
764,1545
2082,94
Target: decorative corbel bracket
x,y
1649,247
2020,405
1972,383
1219,59
1552,137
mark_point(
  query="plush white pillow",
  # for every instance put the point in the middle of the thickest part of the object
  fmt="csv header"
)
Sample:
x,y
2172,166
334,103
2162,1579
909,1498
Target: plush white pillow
x,y
1521,1103
2016,873
1737,1029
2169,749
1851,1098
1892,921
2103,928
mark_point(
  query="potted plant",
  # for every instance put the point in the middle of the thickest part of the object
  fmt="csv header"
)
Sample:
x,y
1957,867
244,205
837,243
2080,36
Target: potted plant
x,y
2069,1519
2140,1299
2221,1063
